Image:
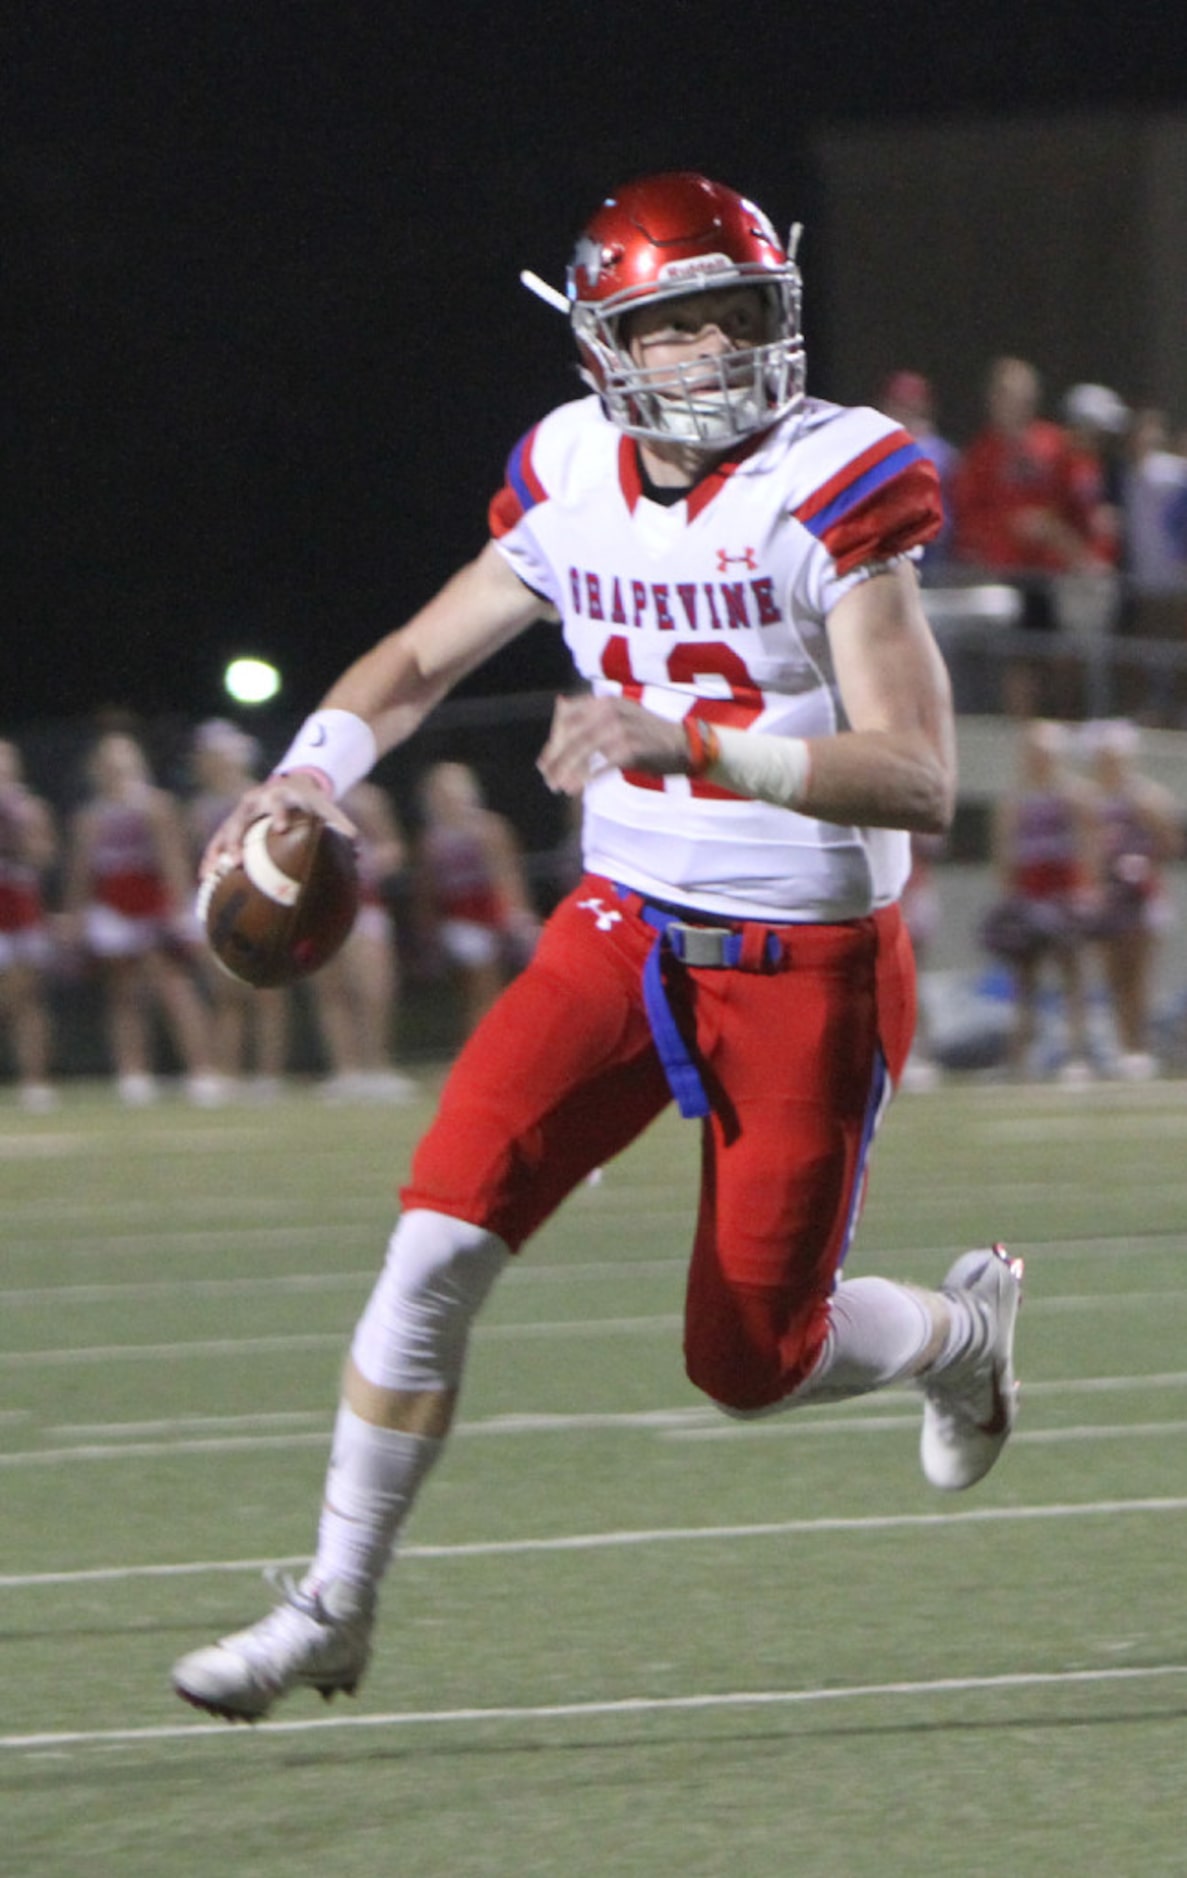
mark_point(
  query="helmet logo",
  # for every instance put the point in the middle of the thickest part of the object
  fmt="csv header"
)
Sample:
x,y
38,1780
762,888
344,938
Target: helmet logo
x,y
591,257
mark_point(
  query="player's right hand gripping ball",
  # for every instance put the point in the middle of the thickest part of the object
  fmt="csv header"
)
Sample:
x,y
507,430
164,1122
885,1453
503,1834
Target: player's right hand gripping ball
x,y
286,907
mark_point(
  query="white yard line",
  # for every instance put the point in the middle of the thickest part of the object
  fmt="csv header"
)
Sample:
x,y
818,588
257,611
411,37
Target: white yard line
x,y
161,1240
311,1281
140,1290
1100,1300
622,1706
783,1428
531,1421
657,1324
314,1340
788,1428
42,1146
628,1538
161,1243
526,1270
1108,1125
187,1425
169,1352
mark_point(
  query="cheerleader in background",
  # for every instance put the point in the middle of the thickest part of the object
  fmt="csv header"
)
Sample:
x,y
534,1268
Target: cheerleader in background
x,y
1042,850
475,907
356,995
128,898
251,1027
28,849
1137,829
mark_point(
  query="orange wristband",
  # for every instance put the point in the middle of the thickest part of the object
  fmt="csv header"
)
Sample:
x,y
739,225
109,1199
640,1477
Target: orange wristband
x,y
703,747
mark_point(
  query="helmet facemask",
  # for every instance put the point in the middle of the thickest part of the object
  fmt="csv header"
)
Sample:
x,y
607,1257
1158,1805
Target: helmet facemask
x,y
708,402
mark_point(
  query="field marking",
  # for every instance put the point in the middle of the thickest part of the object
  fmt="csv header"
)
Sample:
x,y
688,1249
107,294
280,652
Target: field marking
x,y
691,1428
532,1421
1106,1385
314,1340
1170,1125
1090,1300
170,1352
655,1324
612,1196
39,1147
125,1209
525,1271
312,1281
139,1290
191,1238
785,1428
190,1424
36,1147
603,1541
164,1241
623,1705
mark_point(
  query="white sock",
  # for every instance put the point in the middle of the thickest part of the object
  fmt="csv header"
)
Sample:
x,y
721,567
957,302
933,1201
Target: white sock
x,y
372,1480
877,1333
967,1332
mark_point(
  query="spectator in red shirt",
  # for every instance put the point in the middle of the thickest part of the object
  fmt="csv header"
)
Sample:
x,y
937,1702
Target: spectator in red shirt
x,y
1018,505
1020,508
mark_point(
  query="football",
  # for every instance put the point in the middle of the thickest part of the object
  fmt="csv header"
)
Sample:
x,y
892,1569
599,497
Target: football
x,y
285,908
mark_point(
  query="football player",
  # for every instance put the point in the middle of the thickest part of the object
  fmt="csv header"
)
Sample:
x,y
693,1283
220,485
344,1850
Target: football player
x,y
767,716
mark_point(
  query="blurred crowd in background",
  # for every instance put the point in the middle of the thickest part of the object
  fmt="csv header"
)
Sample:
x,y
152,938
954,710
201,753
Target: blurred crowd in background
x,y
1082,515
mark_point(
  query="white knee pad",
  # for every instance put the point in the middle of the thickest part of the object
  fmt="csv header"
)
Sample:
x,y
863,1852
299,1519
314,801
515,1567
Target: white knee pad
x,y
435,1279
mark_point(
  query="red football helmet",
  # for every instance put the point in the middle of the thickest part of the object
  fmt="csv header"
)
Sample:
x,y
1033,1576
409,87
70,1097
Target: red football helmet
x,y
663,238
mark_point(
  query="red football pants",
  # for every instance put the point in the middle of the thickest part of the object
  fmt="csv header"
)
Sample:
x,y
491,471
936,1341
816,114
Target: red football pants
x,y
563,1074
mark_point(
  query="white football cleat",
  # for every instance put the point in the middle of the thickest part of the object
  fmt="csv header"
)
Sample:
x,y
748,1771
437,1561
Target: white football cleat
x,y
318,1637
969,1408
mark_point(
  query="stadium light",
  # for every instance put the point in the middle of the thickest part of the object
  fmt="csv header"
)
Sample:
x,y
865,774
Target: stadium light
x,y
251,681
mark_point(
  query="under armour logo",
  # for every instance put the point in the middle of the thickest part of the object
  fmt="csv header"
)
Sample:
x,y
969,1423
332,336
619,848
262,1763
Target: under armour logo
x,y
748,559
606,916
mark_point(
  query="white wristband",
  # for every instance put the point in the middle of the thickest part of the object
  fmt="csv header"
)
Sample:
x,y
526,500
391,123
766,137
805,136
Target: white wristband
x,y
339,744
770,769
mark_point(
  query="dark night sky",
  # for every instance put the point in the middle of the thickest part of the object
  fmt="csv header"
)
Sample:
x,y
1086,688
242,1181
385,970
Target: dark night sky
x,y
265,344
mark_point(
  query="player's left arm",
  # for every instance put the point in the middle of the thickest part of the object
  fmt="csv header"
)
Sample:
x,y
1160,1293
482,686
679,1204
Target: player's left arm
x,y
895,764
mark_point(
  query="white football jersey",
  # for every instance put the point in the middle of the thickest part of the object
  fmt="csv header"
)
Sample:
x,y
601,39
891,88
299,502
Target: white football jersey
x,y
716,605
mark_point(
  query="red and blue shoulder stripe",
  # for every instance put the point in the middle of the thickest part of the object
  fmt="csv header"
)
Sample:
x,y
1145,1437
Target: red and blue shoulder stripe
x,y
521,490
883,502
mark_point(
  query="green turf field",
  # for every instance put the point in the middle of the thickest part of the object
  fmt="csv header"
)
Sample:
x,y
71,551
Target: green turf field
x,y
627,1636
